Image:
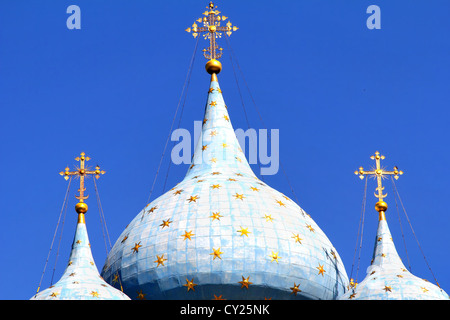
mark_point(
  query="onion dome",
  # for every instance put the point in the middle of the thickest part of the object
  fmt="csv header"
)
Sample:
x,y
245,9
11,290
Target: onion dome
x,y
81,279
387,278
221,233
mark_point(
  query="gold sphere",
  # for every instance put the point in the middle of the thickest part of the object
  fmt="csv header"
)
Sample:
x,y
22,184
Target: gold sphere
x,y
381,206
81,207
212,29
213,66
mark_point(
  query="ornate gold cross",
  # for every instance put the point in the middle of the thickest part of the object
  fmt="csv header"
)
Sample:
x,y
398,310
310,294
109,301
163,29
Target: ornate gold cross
x,y
380,173
82,171
211,25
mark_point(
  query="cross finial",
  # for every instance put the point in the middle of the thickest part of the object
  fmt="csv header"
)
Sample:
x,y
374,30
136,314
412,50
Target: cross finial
x,y
380,173
211,25
81,172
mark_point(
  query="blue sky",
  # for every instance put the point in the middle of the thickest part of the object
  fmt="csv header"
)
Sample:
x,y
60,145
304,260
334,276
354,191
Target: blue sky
x,y
336,90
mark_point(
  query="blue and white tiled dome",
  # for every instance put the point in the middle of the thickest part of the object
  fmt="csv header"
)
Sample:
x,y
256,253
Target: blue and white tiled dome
x,y
81,280
388,279
221,233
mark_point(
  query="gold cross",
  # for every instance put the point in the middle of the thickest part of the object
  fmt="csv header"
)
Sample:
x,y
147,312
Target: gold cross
x,y
380,173
82,171
211,25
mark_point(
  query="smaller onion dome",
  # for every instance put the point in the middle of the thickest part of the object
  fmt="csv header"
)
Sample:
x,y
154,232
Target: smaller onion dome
x,y
81,279
388,279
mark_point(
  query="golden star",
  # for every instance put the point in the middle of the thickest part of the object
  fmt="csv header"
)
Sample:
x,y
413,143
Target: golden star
x,y
204,120
153,209
141,296
231,179
216,254
216,173
218,297
219,90
124,238
78,241
321,269
333,254
224,145
190,284
383,255
244,231
70,263
387,288
213,104
213,133
239,196
116,278
254,189
286,197
188,235
214,160
215,186
239,174
210,90
178,192
192,165
245,282
297,238
226,118
399,276
72,274
425,290
281,203
295,289
310,228
94,294
54,294
136,247
193,198
352,295
268,218
204,147
200,181
275,256
160,260
216,215
238,159
166,223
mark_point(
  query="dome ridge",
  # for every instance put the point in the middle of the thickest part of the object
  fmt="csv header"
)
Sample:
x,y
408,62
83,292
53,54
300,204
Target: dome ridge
x,y
218,147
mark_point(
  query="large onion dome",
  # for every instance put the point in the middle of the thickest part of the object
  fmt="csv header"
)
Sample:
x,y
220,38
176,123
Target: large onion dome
x,y
80,280
222,233
388,279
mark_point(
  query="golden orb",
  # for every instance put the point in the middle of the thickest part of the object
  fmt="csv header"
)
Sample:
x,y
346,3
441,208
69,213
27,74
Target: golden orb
x,y
81,207
381,206
213,66
212,29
